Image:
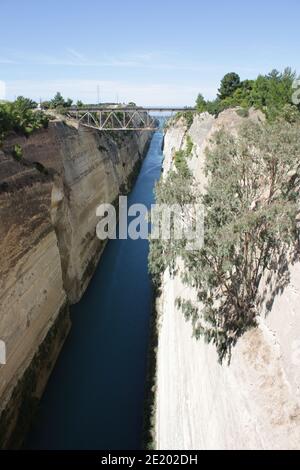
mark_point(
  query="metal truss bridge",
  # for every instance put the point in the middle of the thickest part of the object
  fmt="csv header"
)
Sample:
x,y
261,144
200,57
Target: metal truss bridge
x,y
122,119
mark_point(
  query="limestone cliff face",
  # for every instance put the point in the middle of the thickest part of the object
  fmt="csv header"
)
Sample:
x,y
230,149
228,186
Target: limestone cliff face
x,y
48,247
255,402
88,168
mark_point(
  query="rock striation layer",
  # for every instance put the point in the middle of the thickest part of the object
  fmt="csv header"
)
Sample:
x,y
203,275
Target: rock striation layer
x,y
49,249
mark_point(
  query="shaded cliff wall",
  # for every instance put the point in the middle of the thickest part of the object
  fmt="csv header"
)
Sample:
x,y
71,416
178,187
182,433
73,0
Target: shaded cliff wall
x,y
255,402
49,248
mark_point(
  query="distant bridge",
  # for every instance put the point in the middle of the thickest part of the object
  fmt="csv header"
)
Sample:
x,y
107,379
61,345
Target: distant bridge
x,y
121,118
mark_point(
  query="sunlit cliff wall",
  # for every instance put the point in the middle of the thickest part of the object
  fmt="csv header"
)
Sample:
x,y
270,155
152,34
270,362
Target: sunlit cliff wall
x,y
254,403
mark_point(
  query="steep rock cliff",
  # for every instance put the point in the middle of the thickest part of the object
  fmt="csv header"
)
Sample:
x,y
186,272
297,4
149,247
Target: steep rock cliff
x,y
254,403
49,248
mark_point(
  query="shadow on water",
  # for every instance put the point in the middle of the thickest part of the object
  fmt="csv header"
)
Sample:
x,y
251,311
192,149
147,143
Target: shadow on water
x,y
94,398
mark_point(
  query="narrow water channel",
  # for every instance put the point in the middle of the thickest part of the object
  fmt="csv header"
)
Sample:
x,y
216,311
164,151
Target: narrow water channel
x,y
95,396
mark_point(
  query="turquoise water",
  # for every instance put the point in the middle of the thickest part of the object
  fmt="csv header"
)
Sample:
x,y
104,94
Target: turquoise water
x,y
95,396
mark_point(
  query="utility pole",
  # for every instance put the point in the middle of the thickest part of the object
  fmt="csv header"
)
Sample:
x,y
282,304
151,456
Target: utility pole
x,y
98,94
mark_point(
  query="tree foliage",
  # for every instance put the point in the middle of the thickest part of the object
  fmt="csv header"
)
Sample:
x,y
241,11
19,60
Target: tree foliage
x,y
178,188
229,84
59,102
270,93
24,104
251,203
200,103
188,116
19,116
181,157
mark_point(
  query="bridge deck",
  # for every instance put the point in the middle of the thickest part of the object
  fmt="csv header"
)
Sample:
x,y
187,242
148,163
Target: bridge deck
x,y
149,109
117,118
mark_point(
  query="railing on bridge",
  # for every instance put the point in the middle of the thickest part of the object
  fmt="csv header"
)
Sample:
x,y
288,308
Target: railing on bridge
x,y
121,118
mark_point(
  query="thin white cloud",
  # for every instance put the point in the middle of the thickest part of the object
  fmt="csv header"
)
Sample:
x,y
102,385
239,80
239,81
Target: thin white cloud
x,y
75,58
86,90
3,60
77,55
152,60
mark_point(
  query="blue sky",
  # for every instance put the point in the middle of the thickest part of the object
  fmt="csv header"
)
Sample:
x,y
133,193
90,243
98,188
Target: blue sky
x,y
151,52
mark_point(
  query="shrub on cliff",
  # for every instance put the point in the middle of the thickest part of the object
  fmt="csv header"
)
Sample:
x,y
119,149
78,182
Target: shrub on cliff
x,y
19,117
17,152
251,204
188,116
181,156
177,188
24,104
251,208
200,103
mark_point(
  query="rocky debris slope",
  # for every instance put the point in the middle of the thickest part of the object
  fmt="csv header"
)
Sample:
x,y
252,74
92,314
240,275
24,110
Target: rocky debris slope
x,y
254,403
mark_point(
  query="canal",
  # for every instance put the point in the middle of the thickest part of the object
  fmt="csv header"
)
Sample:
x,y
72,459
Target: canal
x,y
95,396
